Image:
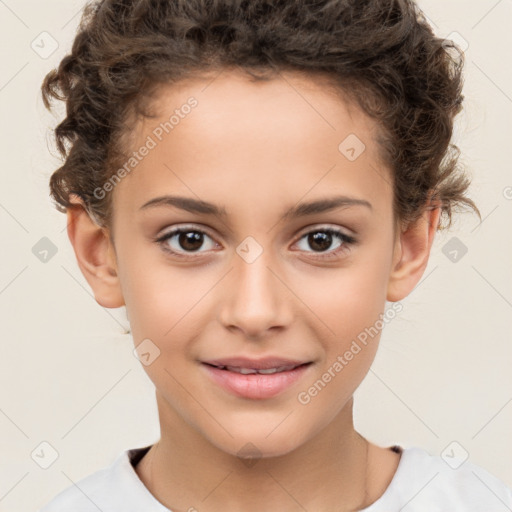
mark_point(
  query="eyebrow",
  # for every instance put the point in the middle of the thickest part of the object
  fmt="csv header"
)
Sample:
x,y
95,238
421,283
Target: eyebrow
x,y
198,206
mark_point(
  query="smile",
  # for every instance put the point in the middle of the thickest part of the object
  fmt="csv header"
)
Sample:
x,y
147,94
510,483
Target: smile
x,y
248,371
256,384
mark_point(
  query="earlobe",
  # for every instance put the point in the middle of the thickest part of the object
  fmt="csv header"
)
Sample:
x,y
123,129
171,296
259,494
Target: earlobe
x,y
411,254
95,255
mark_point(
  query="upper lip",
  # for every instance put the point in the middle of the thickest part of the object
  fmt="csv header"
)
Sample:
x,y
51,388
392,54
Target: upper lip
x,y
256,364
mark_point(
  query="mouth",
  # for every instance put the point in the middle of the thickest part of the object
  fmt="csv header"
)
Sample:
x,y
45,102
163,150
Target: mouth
x,y
263,363
246,381
261,371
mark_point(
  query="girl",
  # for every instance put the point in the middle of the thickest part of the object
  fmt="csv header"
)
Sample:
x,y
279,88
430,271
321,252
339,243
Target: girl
x,y
254,180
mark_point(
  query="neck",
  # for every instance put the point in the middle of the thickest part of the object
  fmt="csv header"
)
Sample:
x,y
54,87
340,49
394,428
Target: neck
x,y
185,471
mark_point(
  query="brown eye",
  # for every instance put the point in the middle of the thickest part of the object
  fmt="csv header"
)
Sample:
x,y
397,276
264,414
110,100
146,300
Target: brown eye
x,y
190,240
322,240
185,240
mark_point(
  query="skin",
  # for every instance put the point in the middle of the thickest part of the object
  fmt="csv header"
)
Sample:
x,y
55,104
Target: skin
x,y
256,149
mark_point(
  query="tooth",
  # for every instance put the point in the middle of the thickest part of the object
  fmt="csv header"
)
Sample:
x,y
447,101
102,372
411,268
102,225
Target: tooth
x,y
279,369
244,371
250,371
247,371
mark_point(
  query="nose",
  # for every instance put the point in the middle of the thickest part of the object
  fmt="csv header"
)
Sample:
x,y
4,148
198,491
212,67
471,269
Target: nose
x,y
255,298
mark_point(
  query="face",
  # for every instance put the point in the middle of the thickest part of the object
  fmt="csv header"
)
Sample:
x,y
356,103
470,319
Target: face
x,y
254,273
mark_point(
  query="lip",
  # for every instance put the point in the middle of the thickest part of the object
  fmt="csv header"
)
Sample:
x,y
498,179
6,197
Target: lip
x,y
256,364
256,386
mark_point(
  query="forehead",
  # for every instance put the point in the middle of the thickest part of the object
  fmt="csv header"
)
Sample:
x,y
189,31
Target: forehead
x,y
272,141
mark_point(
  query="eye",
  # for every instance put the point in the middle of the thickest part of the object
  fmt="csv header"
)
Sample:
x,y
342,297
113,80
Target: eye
x,y
322,239
188,240
183,240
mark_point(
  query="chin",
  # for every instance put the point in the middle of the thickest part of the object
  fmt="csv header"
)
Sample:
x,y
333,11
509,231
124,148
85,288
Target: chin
x,y
257,444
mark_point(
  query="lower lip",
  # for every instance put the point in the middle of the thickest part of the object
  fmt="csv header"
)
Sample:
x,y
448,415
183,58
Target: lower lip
x,y
256,385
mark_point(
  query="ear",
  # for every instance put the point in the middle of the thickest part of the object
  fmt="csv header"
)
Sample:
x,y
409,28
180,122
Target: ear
x,y
95,255
412,250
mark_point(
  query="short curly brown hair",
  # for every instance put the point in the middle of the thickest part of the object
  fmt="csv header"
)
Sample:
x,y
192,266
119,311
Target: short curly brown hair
x,y
383,53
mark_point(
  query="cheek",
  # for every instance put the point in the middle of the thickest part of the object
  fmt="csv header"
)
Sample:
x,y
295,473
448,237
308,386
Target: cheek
x,y
158,308
352,312
166,303
155,294
347,300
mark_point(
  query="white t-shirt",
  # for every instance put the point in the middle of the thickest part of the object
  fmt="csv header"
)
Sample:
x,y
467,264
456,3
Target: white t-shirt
x,y
422,483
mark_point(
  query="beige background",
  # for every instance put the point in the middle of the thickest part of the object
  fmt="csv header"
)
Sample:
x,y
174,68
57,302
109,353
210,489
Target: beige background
x,y
69,376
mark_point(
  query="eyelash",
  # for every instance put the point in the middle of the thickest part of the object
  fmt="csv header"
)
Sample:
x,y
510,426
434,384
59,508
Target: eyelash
x,y
346,240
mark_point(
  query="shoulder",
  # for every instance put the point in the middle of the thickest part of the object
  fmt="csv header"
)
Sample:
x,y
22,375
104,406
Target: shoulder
x,y
425,482
115,487
82,496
